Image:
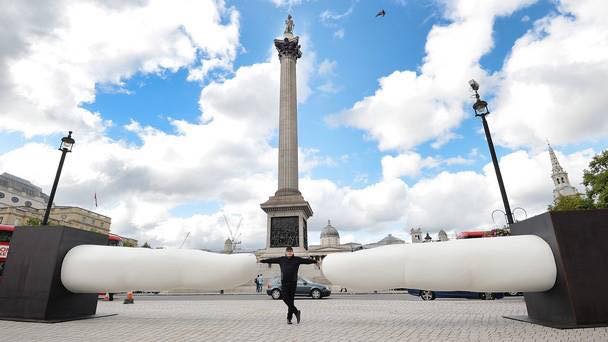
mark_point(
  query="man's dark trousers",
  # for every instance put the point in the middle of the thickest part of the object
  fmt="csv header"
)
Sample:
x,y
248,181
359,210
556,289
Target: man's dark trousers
x,y
288,292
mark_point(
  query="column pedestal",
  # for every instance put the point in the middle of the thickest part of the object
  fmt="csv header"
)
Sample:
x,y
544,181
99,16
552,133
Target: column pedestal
x,y
286,224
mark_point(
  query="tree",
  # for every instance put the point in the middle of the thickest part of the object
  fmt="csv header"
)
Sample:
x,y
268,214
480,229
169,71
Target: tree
x,y
596,180
146,245
571,203
127,243
32,221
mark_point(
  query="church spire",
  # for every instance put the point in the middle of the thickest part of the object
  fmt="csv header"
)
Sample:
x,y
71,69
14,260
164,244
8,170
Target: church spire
x,y
555,167
560,177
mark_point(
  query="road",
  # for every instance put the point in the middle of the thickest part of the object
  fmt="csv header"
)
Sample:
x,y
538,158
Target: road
x,y
366,317
264,296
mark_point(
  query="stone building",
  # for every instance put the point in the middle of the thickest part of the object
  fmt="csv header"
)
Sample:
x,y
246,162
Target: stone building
x,y
416,235
15,191
387,240
61,215
330,236
228,248
330,243
560,178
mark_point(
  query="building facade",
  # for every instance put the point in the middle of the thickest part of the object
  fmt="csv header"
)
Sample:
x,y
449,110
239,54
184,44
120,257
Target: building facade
x,y
60,215
416,235
15,191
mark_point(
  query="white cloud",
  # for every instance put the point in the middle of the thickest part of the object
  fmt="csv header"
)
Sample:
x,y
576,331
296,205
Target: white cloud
x,y
339,33
327,67
52,67
406,164
225,158
374,208
329,87
410,108
465,200
330,17
288,3
552,85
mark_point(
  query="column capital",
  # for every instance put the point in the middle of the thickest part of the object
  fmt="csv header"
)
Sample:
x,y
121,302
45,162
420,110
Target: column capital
x,y
288,47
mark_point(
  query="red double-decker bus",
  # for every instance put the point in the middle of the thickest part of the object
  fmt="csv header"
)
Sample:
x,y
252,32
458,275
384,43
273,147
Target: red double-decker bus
x,y
6,232
472,235
114,240
483,233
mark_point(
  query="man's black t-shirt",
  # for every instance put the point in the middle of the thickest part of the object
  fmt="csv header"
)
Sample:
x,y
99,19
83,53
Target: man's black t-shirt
x,y
289,267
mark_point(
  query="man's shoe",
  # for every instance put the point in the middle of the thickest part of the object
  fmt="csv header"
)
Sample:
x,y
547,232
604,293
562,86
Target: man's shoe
x,y
298,316
289,322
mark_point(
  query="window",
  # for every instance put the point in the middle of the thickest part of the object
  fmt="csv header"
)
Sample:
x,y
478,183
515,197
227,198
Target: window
x,y
28,203
15,199
2,195
1,218
5,236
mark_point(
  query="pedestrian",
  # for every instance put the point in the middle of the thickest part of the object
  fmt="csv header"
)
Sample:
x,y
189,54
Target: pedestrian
x,y
290,265
261,282
257,285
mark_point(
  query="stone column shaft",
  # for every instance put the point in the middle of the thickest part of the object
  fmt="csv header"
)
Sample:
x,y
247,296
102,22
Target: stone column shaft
x,y
288,126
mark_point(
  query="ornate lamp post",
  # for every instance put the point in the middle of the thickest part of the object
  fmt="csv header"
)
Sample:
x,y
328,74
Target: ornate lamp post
x,y
481,110
65,147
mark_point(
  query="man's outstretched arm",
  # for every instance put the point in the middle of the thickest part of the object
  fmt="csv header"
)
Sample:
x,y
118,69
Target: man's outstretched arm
x,y
271,261
306,260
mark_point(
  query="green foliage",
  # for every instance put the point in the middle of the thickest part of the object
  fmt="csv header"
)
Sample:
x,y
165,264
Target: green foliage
x,y
146,245
596,180
571,203
33,222
129,244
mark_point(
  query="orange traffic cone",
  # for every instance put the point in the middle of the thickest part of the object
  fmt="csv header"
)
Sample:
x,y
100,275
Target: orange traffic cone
x,y
129,299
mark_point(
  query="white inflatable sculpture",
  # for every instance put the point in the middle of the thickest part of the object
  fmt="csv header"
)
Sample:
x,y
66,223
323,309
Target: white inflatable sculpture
x,y
94,269
515,263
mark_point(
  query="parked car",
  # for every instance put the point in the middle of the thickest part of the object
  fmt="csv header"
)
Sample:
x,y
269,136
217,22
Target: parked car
x,y
305,288
431,295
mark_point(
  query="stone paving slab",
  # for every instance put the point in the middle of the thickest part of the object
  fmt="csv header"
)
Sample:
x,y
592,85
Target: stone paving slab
x,y
323,320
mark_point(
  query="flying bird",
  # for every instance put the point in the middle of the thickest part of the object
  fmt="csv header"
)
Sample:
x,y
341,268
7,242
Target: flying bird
x,y
381,13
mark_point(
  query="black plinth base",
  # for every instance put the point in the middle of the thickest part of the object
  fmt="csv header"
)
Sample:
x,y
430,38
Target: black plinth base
x,y
61,320
578,240
31,288
555,325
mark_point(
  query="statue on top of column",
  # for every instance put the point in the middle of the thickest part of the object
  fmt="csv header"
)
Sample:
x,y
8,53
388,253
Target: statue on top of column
x,y
289,25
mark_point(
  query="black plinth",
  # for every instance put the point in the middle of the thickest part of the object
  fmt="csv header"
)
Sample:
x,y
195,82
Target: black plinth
x,y
579,242
31,288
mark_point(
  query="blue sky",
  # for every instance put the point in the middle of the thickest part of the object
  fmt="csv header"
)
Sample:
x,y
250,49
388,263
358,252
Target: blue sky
x,y
371,48
378,156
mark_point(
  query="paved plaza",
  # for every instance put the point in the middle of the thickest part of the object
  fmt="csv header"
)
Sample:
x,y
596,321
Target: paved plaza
x,y
341,318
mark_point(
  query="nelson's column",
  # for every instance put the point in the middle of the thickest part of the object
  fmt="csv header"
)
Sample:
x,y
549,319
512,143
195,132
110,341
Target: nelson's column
x,y
287,210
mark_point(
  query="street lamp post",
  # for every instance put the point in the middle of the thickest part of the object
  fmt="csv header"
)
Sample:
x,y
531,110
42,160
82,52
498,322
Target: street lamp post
x,y
65,148
481,110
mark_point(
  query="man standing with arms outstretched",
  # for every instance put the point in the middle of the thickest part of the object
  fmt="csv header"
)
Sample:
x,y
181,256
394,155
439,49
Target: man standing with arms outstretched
x,y
290,265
